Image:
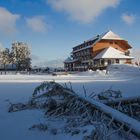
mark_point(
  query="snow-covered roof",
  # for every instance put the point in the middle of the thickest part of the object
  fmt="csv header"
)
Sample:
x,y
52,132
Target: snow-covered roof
x,y
69,59
111,35
111,52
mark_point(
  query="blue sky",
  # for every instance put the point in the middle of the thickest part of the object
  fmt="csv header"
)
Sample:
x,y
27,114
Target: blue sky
x,y
53,27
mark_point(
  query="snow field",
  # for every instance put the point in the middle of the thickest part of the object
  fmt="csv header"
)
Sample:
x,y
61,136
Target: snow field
x,y
18,88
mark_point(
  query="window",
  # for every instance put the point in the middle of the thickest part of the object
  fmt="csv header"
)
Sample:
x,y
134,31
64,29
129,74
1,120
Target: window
x,y
127,53
102,61
117,61
109,61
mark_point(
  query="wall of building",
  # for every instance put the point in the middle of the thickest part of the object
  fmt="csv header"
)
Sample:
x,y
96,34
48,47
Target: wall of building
x,y
85,55
117,44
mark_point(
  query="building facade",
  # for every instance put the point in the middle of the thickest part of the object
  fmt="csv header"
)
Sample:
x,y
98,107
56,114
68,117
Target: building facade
x,y
99,52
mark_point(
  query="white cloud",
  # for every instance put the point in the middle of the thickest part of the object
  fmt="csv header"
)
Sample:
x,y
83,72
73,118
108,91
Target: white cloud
x,y
83,11
37,23
8,21
128,19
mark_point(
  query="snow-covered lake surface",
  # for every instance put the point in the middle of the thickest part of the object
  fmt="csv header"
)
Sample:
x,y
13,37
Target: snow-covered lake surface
x,y
18,88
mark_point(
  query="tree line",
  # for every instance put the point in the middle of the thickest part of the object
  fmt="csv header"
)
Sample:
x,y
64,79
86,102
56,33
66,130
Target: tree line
x,y
17,58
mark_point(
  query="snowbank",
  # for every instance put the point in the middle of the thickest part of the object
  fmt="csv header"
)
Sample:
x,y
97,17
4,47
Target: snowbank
x,y
114,73
91,73
124,70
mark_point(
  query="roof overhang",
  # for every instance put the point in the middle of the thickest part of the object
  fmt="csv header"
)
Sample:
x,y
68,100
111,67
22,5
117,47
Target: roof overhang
x,y
111,53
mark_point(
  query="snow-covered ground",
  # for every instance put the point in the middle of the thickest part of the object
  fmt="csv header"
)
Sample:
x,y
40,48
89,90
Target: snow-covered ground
x,y
18,88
